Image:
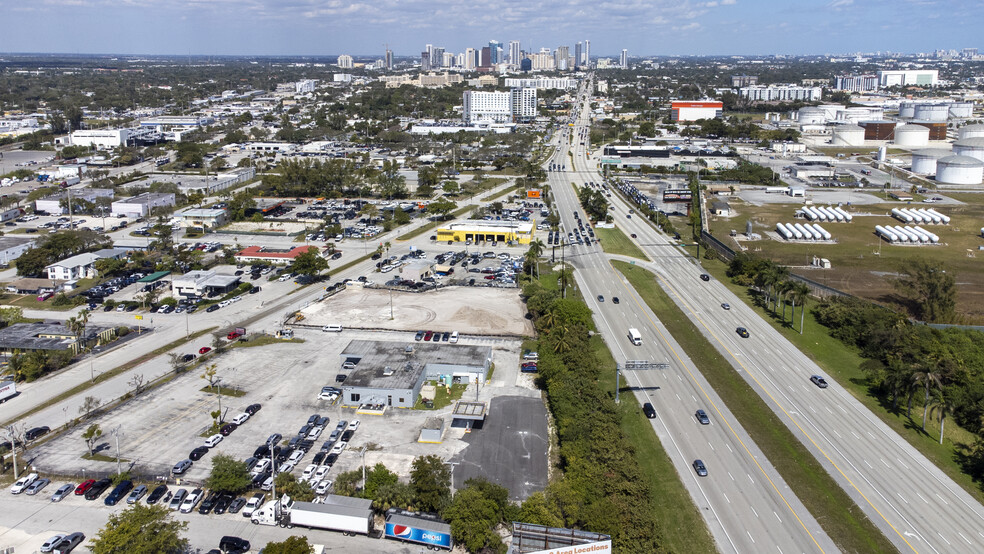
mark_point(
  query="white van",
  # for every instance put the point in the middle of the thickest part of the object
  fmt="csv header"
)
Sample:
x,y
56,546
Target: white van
x,y
635,336
332,328
213,440
454,337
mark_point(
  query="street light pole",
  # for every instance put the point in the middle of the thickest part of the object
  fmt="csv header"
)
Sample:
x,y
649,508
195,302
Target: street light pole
x,y
116,433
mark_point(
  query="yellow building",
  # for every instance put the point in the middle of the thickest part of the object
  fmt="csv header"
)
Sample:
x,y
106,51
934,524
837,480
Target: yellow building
x,y
485,230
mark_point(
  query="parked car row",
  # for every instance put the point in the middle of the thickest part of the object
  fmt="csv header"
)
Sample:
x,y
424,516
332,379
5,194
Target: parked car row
x,y
211,442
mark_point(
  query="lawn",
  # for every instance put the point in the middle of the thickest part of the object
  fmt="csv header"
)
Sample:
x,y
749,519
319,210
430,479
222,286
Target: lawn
x,y
843,365
829,504
614,241
443,398
224,391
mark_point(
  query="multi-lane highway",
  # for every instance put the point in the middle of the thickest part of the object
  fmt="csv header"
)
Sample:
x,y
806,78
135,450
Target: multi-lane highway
x,y
747,506
914,504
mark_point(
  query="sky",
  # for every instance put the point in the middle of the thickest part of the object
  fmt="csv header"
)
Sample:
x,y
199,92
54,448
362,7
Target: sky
x,y
365,27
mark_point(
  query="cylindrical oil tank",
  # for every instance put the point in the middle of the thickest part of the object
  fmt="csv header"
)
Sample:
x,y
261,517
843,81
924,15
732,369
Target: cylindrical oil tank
x,y
806,234
847,217
847,135
887,233
924,161
944,217
959,170
911,135
932,112
971,131
830,110
907,110
916,216
832,215
810,213
811,116
903,236
901,216
823,232
932,236
962,110
781,229
973,147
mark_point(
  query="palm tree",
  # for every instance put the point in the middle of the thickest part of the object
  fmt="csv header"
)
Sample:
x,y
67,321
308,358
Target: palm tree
x,y
799,294
533,254
561,338
942,405
928,380
782,289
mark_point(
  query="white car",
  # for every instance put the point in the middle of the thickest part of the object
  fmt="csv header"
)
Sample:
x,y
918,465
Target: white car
x,y
323,487
283,277
296,456
252,505
309,471
329,395
287,467
338,448
314,433
353,425
191,501
212,441
50,543
320,474
22,483
241,418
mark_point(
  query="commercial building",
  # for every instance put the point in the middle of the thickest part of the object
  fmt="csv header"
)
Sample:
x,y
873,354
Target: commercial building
x,y
738,81
916,77
519,104
623,61
543,83
780,93
163,123
12,246
391,374
305,86
142,204
201,283
208,218
58,203
273,255
81,266
856,83
692,111
417,270
344,61
484,230
30,337
100,138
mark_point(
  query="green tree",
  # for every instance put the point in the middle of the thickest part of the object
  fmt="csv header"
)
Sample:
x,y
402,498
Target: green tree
x,y
289,485
239,204
473,518
290,545
228,475
91,435
141,529
430,479
441,207
928,284
310,262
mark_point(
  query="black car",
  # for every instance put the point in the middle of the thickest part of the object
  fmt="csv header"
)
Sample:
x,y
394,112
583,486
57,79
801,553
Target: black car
x,y
197,453
705,277
330,459
68,543
212,308
252,409
156,494
227,429
208,504
119,493
701,416
37,432
446,336
231,544
187,358
97,488
614,300
222,503
318,458
742,332
340,378
237,505
649,410
262,451
260,477
305,429
347,436
284,454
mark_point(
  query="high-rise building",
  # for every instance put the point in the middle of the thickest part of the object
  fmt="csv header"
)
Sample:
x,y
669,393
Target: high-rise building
x,y
486,58
389,59
515,53
577,56
437,57
523,102
494,48
425,62
624,60
469,59
856,83
517,105
344,61
587,53
561,56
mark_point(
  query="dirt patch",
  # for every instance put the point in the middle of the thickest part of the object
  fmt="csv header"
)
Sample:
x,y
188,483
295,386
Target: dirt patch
x,y
469,310
265,227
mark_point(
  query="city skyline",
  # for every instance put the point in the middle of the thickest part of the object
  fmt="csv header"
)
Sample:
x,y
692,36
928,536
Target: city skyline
x,y
644,28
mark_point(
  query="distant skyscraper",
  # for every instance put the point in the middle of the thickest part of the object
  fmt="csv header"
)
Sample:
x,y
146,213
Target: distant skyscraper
x,y
587,53
486,59
515,53
425,62
624,60
344,61
389,59
437,57
494,47
561,56
577,56
469,59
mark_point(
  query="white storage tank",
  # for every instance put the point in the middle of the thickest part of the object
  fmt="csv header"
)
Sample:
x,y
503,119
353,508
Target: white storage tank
x,y
943,217
849,135
973,147
811,116
907,110
962,110
901,215
932,112
933,238
911,135
818,229
847,217
781,229
971,131
959,170
887,234
924,161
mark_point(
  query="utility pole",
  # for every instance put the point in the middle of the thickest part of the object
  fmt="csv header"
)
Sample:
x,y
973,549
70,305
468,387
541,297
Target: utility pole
x,y
11,434
116,433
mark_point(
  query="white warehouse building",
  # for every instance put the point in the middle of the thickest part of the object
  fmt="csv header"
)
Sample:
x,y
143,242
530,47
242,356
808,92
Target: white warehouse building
x,y
100,138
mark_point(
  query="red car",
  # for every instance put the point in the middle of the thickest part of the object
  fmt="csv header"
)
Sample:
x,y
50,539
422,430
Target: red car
x,y
84,487
204,350
232,336
428,335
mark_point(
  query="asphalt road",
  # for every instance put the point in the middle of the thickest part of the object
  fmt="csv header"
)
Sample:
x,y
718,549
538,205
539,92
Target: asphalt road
x,y
746,504
914,504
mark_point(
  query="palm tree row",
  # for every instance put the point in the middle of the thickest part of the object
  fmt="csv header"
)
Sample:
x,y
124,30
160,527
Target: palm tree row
x,y
772,280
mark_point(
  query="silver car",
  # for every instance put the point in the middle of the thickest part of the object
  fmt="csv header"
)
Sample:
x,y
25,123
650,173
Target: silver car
x,y
62,492
137,494
36,486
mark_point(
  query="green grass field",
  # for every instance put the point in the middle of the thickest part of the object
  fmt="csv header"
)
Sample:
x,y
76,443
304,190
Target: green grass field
x,y
843,365
614,241
829,504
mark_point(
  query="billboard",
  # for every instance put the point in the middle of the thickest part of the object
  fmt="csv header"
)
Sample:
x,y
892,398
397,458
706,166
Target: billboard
x,y
417,535
533,193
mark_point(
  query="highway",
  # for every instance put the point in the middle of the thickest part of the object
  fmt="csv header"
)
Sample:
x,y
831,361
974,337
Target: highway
x,y
912,502
747,505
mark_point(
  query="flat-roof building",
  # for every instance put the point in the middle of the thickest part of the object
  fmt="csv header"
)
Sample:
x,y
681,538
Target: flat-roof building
x,y
142,205
58,203
209,218
11,247
484,230
275,255
199,283
392,373
28,337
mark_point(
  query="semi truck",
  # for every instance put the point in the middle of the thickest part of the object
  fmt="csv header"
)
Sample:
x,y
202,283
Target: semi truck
x,y
420,528
635,336
7,390
351,516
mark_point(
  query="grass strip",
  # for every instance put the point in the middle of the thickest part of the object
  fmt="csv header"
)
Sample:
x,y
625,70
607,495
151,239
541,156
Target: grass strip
x,y
681,525
433,224
830,505
615,241
82,387
507,191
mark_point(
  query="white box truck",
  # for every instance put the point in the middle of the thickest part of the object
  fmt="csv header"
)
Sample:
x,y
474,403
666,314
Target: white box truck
x,y
351,516
7,390
635,337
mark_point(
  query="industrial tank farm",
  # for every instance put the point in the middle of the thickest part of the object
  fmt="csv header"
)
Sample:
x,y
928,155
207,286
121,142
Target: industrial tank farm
x,y
847,135
959,170
911,135
924,161
973,147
